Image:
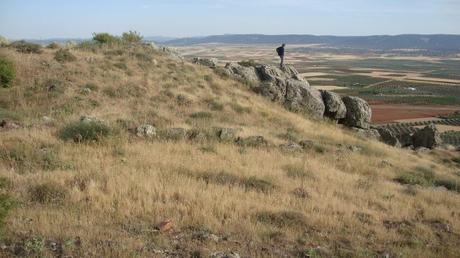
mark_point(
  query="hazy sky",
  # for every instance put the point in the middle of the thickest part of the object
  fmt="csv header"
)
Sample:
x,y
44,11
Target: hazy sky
x,y
72,18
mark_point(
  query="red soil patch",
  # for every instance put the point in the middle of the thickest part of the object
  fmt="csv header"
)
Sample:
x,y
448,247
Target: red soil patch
x,y
386,113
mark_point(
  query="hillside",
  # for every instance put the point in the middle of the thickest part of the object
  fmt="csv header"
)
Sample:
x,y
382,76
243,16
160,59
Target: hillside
x,y
84,174
380,42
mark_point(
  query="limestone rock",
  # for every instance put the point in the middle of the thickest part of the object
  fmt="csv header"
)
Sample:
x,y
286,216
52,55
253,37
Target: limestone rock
x,y
300,97
427,137
209,62
252,141
146,130
335,108
359,113
241,72
387,137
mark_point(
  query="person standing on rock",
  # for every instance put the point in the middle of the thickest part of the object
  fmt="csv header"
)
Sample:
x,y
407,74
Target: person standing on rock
x,y
280,52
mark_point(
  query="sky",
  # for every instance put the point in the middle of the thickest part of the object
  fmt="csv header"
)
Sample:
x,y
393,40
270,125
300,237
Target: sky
x,y
41,19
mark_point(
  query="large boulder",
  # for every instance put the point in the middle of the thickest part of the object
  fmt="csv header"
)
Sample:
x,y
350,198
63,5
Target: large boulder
x,y
386,136
335,108
359,113
272,73
242,72
427,137
274,90
300,97
209,62
406,139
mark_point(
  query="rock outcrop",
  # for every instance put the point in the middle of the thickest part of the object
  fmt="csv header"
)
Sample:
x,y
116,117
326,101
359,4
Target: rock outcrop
x,y
209,62
386,136
242,72
427,137
335,108
358,114
300,97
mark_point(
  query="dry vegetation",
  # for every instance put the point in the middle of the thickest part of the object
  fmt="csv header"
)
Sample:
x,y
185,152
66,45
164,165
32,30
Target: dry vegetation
x,y
104,197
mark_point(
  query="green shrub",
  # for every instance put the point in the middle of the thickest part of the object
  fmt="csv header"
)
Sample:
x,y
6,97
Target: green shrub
x,y
84,131
417,177
281,219
27,157
105,38
48,192
131,37
64,55
6,204
27,47
7,72
53,45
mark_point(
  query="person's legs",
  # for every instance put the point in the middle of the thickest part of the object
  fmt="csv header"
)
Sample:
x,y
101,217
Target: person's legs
x,y
282,61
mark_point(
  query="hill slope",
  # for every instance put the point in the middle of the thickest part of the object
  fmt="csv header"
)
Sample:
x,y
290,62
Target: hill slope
x,y
340,196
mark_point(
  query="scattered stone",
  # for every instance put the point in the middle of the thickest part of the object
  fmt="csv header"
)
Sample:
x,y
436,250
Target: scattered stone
x,y
8,125
226,134
175,134
225,255
359,113
209,62
196,135
421,150
89,119
204,235
387,137
86,91
146,130
427,137
335,108
252,141
165,226
291,147
48,120
307,144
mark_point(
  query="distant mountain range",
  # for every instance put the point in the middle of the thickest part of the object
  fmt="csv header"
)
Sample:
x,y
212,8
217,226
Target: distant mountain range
x,y
429,42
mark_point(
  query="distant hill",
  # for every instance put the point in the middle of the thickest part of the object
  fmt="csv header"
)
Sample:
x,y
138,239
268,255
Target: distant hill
x,y
429,42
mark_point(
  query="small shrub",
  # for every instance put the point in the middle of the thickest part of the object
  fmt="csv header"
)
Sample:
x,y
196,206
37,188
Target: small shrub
x,y
91,86
183,100
132,37
420,177
26,157
64,55
201,115
48,192
85,131
7,73
257,184
7,114
281,219
53,45
6,204
27,47
297,171
240,109
449,184
105,38
214,105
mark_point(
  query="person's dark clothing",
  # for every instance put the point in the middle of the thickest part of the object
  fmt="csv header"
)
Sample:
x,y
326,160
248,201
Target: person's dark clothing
x,y
280,51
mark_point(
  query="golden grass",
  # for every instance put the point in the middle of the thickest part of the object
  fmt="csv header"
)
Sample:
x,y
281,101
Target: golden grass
x,y
120,188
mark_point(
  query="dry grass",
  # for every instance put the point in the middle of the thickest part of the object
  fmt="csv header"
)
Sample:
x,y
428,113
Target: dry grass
x,y
105,198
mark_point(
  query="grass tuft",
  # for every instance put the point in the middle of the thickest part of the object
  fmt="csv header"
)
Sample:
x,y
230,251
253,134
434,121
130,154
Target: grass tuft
x,y
85,131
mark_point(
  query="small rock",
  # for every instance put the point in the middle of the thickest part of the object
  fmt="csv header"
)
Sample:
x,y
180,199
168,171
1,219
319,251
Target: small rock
x,y
307,144
146,130
175,134
196,135
225,255
252,141
86,91
209,62
291,147
165,226
6,124
226,134
421,150
204,235
47,120
89,119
